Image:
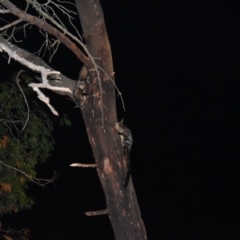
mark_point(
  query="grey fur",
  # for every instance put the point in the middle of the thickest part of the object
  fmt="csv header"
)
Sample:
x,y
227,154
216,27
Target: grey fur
x,y
127,141
79,91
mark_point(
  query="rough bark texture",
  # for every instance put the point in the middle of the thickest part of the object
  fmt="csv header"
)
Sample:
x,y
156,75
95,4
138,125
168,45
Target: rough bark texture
x,y
121,202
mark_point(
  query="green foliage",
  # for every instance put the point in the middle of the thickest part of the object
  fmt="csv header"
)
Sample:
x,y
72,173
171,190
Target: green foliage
x,y
25,140
64,120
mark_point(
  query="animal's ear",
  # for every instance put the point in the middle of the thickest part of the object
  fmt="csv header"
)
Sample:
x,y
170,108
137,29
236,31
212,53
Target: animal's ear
x,y
122,120
83,72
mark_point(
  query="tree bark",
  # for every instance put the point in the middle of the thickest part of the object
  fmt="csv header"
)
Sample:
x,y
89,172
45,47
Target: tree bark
x,y
122,205
99,115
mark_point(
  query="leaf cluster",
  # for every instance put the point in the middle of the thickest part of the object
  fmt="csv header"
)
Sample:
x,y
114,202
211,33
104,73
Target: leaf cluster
x,y
25,141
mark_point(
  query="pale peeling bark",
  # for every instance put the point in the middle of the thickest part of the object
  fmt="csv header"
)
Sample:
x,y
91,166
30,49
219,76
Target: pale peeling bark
x,y
64,81
16,54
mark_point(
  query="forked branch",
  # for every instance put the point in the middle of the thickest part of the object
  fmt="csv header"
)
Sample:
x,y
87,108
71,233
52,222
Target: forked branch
x,y
46,27
44,74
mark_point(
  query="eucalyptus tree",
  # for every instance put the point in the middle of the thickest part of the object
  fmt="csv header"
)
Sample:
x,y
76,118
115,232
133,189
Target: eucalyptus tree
x,y
97,98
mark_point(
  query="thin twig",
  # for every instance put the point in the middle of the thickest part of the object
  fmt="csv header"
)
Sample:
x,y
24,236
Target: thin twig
x,y
114,84
25,99
10,24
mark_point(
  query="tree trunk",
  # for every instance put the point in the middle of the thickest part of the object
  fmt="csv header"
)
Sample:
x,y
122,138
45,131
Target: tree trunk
x,y
100,115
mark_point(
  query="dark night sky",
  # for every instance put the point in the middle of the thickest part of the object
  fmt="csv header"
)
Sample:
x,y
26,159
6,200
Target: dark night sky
x,y
178,67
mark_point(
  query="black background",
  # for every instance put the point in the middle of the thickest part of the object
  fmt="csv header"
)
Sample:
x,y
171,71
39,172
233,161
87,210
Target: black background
x,y
177,66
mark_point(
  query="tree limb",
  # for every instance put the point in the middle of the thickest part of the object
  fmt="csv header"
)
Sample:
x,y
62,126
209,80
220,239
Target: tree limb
x,y
46,27
3,11
10,24
44,75
25,99
64,82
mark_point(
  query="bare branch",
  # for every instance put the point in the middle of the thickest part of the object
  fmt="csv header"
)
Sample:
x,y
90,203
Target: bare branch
x,y
44,73
17,81
46,27
65,31
60,26
65,81
11,24
114,84
43,98
97,213
14,31
96,67
83,165
57,43
43,10
40,24
3,11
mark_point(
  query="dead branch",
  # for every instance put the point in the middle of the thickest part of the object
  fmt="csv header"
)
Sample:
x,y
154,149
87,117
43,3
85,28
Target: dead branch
x,y
11,24
46,27
61,26
83,165
44,74
3,11
97,213
25,99
65,81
